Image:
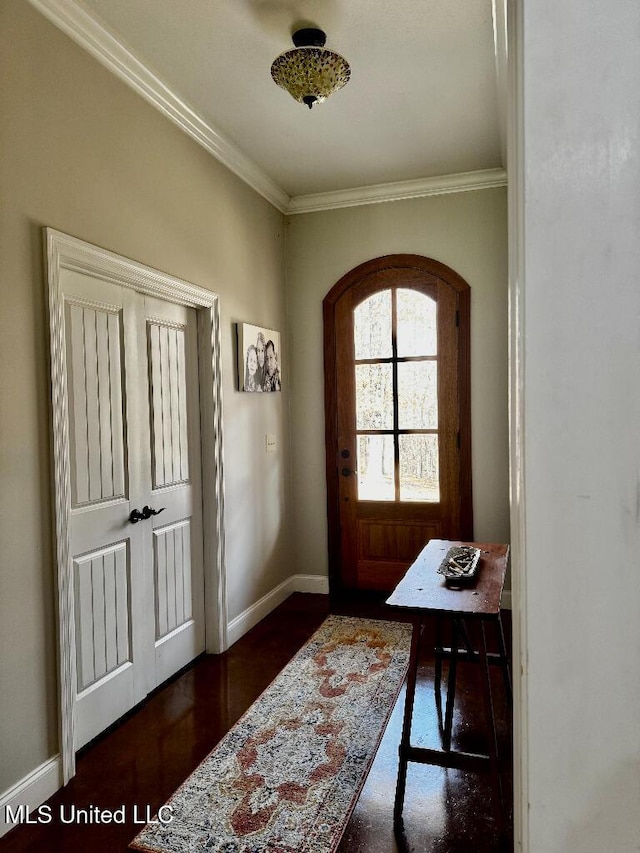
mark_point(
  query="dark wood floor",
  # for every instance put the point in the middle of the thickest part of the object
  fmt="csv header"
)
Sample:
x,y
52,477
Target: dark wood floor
x,y
143,760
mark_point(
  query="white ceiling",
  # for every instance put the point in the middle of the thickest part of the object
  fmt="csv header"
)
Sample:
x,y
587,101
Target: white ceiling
x,y
422,101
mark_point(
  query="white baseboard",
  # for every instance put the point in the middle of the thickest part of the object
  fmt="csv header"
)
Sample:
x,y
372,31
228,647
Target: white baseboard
x,y
505,602
239,626
310,583
32,791
253,614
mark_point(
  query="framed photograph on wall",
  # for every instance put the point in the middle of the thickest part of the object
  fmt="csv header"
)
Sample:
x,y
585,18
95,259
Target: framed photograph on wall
x,y
259,359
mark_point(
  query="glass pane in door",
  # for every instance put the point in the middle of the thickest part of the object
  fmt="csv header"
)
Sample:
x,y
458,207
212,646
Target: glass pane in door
x,y
375,468
374,396
372,326
419,468
416,324
418,395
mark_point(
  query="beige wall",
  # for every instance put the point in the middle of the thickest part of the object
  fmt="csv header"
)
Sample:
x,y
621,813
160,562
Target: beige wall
x,y
84,154
467,231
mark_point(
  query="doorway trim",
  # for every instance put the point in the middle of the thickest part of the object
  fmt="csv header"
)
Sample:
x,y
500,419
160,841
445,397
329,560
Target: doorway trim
x,y
63,252
514,12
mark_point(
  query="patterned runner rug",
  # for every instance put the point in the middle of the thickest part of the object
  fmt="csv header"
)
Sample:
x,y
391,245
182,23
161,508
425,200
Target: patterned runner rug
x,y
286,777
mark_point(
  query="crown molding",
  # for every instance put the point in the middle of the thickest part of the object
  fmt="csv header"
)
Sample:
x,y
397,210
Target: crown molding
x,y
74,20
376,193
96,39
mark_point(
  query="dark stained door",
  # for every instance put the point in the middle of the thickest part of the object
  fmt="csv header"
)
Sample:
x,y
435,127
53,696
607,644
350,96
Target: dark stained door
x,y
397,417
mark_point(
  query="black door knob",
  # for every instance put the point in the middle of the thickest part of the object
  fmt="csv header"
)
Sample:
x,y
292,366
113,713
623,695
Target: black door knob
x,y
135,515
147,512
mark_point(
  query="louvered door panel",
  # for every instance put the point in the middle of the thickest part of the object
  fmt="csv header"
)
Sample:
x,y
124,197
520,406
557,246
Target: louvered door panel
x,y
172,559
101,582
96,414
169,443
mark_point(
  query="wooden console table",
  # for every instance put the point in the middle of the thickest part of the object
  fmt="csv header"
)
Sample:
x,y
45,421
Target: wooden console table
x,y
423,593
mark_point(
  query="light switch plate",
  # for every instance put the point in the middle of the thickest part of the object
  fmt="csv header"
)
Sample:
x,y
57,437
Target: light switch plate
x,y
270,443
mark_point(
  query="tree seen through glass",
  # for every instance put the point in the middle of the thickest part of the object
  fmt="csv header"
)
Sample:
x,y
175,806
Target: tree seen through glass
x,y
396,378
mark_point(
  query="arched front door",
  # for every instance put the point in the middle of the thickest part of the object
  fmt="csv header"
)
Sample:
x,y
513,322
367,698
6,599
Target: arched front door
x,y
397,408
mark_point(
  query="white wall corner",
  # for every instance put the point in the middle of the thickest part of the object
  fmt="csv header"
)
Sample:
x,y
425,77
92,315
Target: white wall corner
x,y
30,792
501,50
239,626
318,584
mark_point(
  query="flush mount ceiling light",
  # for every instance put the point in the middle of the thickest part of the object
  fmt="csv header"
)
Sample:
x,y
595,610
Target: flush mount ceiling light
x,y
310,72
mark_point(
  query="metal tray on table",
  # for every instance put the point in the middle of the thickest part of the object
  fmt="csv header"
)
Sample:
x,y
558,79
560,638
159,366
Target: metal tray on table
x,y
460,564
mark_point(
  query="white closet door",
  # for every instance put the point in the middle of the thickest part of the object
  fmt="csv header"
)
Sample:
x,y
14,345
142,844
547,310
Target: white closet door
x,y
133,444
174,485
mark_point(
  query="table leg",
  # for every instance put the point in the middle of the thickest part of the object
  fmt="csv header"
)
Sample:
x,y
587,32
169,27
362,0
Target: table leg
x,y
506,670
405,741
491,726
471,655
438,656
451,686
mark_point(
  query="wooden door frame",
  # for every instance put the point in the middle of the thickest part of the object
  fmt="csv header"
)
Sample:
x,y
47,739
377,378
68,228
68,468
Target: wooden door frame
x,y
352,279
63,252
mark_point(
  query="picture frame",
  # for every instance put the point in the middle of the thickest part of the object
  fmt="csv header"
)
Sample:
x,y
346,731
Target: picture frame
x,y
259,359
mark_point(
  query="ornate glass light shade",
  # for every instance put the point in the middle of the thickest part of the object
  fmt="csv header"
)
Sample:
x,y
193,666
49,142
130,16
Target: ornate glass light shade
x,y
310,72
